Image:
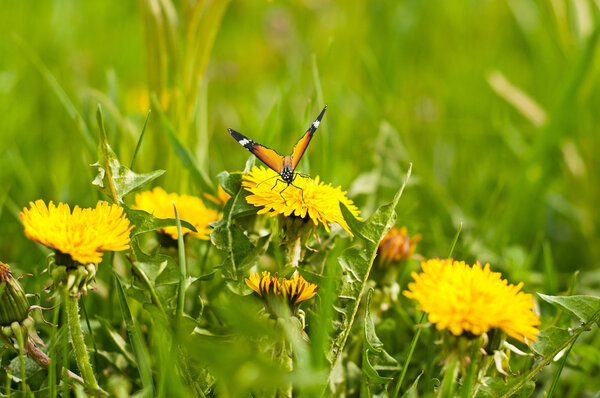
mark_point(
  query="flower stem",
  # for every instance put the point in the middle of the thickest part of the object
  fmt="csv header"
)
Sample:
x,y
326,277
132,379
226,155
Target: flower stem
x,y
19,335
81,355
449,381
413,344
295,252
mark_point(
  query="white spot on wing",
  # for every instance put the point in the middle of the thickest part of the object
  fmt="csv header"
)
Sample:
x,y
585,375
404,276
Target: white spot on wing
x,y
316,123
244,142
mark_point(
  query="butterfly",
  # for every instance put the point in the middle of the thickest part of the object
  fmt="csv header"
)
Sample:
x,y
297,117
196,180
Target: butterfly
x,y
285,166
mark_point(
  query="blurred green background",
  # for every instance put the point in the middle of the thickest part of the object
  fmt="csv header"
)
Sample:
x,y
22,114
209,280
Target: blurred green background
x,y
494,103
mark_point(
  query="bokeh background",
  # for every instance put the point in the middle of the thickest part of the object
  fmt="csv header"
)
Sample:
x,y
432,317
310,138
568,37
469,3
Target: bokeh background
x,y
495,103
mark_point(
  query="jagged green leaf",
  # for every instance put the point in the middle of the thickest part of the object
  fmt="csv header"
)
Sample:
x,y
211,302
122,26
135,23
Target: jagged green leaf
x,y
372,342
550,340
231,183
496,387
412,390
146,222
229,237
356,263
582,307
114,179
373,351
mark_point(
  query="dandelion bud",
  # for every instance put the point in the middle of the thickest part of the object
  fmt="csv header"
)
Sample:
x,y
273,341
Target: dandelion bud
x,y
14,306
397,246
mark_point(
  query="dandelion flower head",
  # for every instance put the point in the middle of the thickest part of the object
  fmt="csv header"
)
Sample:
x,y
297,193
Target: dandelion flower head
x,y
190,208
295,289
83,234
314,199
462,298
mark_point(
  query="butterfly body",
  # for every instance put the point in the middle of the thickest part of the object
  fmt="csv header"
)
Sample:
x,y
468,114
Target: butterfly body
x,y
285,166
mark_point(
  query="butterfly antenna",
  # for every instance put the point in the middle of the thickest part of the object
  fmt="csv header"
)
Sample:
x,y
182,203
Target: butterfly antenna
x,y
270,178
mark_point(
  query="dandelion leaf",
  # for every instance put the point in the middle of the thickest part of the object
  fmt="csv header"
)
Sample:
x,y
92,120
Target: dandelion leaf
x,y
114,179
356,263
412,390
231,183
227,236
373,352
582,307
145,222
493,387
550,340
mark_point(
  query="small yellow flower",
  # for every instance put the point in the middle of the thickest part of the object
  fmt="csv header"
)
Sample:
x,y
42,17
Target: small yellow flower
x,y
221,198
190,209
294,290
462,298
397,245
320,202
84,234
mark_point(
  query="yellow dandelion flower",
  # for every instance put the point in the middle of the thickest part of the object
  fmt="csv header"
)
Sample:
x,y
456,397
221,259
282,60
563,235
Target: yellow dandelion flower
x,y
83,234
320,202
190,208
397,245
221,198
462,298
294,290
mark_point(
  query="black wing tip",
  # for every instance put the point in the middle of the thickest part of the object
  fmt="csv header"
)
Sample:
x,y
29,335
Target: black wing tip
x,y
235,134
322,113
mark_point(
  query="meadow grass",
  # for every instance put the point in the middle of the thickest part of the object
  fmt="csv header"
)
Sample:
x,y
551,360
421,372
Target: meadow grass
x,y
492,106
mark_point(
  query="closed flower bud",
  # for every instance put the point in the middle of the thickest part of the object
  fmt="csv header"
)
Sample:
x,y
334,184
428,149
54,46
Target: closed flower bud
x,y
14,306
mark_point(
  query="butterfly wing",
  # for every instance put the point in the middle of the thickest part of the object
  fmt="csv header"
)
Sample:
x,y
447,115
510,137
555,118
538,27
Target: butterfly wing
x,y
303,142
267,155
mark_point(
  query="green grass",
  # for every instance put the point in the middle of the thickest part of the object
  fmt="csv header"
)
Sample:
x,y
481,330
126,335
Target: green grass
x,y
494,104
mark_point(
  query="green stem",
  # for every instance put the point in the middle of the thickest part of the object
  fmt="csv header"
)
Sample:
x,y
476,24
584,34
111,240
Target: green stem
x,y
413,344
81,355
20,341
449,381
295,250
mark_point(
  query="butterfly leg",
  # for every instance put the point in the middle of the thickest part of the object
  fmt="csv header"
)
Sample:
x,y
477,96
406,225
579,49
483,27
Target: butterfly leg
x,y
281,192
274,185
302,175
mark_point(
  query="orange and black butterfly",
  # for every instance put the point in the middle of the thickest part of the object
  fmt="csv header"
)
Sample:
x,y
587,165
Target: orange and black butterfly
x,y
283,165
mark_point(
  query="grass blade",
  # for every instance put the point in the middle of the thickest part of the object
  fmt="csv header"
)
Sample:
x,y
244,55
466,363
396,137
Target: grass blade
x,y
139,143
135,337
182,273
